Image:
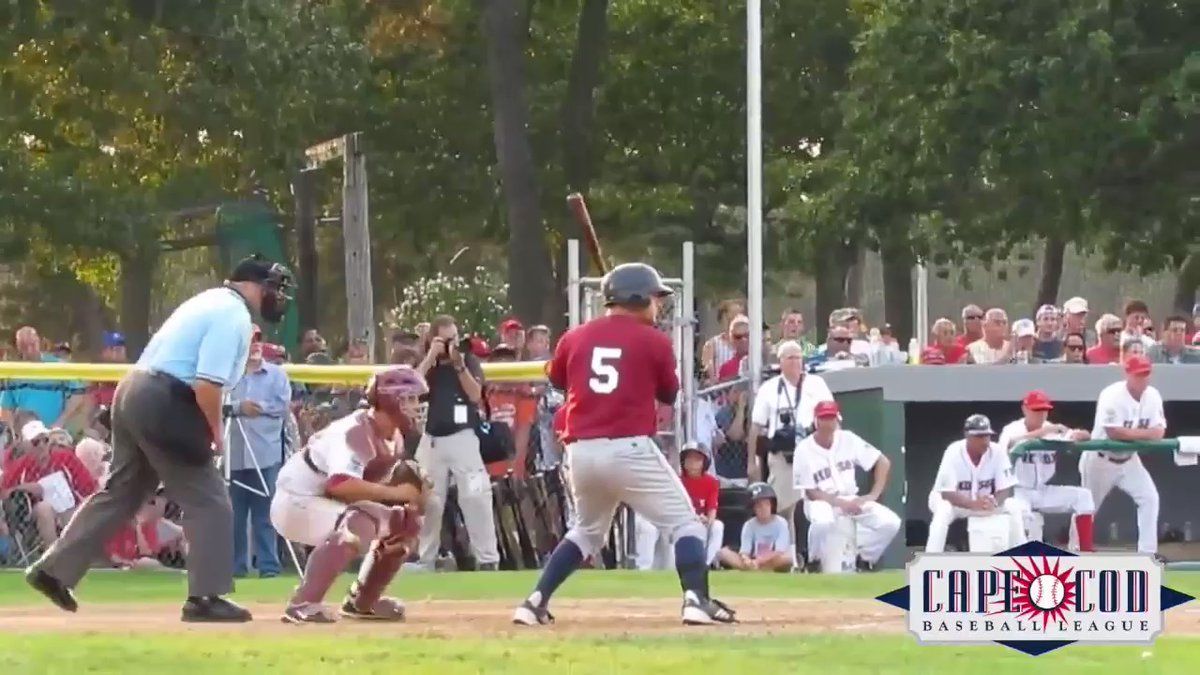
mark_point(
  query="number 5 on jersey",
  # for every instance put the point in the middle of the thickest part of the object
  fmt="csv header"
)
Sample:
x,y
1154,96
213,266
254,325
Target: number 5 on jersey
x,y
605,375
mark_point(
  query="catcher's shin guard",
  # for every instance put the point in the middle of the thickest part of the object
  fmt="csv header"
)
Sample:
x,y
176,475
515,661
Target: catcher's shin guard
x,y
385,557
329,559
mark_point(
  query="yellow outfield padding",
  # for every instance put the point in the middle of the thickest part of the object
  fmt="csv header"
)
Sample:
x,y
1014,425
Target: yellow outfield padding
x,y
531,371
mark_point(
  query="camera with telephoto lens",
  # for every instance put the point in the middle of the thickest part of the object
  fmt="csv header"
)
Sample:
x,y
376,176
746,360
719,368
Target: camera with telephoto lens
x,y
783,441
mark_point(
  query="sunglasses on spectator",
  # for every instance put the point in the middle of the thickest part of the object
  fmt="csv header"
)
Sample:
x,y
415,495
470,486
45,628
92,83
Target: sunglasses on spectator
x,y
1113,331
1075,348
973,317
839,339
741,336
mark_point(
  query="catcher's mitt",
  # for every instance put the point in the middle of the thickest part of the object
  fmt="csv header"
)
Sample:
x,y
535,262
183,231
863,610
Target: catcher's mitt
x,y
408,472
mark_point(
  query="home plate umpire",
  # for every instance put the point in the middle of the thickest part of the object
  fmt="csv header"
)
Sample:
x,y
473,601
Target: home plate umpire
x,y
166,426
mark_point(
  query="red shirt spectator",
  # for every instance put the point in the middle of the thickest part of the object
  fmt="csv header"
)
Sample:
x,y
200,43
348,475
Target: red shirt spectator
x,y
1101,354
704,490
124,545
730,369
42,462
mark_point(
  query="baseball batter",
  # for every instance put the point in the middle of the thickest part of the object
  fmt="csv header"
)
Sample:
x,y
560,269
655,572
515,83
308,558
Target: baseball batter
x,y
348,494
1130,410
1035,469
614,368
975,478
824,472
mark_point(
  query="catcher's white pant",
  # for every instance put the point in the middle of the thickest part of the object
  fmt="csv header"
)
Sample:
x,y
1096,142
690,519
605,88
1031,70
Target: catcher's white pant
x,y
874,528
457,455
309,520
1054,499
944,513
1100,475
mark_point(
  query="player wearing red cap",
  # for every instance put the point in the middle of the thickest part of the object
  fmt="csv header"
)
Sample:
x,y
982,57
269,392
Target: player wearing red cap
x,y
1034,469
1129,410
824,470
340,494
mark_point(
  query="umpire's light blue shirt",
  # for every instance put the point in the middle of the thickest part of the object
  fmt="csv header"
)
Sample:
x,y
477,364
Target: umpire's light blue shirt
x,y
207,337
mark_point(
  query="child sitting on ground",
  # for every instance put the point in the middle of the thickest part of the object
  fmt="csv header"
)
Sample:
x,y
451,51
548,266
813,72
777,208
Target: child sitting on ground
x,y
766,538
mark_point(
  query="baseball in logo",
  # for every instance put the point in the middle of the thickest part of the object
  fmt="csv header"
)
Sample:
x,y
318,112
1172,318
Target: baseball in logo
x,y
1035,598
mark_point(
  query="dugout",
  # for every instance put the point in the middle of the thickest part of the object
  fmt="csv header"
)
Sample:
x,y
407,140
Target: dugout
x,y
912,413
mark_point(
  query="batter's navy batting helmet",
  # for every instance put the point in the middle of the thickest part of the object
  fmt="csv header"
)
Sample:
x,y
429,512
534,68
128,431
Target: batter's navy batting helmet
x,y
978,425
632,284
763,491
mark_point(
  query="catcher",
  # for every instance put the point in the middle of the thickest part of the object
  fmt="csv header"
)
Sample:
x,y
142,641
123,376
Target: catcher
x,y
349,493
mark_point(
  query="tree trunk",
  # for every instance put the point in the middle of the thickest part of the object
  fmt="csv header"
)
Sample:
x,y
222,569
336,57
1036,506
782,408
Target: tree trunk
x,y
830,271
1186,282
578,117
529,275
306,247
855,279
898,292
90,319
1052,269
137,280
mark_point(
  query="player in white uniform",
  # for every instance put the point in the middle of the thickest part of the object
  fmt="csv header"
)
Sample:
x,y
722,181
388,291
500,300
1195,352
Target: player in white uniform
x,y
823,471
1035,469
975,478
1130,410
340,495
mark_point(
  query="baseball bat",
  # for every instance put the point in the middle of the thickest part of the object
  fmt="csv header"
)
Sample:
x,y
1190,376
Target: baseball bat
x,y
579,210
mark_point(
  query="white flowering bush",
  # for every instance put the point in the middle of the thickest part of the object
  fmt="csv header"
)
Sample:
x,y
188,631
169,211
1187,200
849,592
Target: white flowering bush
x,y
477,302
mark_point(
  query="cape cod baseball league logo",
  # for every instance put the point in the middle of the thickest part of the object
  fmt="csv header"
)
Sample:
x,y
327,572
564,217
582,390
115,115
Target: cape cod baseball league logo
x,y
1035,598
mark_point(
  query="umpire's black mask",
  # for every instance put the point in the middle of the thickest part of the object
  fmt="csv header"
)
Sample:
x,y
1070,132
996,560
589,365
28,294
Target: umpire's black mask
x,y
275,281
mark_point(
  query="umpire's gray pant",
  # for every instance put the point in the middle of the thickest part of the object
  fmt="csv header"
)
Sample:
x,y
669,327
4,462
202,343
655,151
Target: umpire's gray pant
x,y
143,406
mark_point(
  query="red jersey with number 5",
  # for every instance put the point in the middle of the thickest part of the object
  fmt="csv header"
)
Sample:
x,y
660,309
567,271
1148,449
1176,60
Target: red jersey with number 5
x,y
614,369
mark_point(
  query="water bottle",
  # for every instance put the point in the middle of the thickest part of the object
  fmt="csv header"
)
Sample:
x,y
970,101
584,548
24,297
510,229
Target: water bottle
x,y
914,351
1112,532
1187,530
1023,357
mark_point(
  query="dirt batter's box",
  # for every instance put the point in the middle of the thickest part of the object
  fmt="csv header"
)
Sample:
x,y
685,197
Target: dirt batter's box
x,y
584,302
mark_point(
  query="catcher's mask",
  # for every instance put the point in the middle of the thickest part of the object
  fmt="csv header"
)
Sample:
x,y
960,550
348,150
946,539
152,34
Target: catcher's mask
x,y
398,392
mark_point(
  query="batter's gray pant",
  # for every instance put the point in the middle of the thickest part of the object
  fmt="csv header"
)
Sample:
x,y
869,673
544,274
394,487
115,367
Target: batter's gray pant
x,y
143,405
457,455
606,472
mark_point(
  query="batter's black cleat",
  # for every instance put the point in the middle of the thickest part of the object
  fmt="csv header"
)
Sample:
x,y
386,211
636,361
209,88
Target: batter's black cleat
x,y
529,614
58,592
214,609
863,566
705,612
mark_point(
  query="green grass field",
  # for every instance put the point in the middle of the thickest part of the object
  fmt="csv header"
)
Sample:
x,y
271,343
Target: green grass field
x,y
311,649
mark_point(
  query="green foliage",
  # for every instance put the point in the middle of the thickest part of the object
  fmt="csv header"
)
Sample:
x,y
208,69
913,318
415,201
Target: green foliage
x,y
477,302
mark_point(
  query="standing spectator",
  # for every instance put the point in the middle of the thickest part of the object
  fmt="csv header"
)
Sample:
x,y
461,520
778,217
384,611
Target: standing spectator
x,y
704,490
992,347
50,452
1024,338
972,319
357,353
945,342
402,347
259,404
54,402
513,404
1049,345
739,337
311,343
1075,313
537,343
1075,348
1174,347
100,394
455,393
718,349
1108,346
512,333
791,327
1137,317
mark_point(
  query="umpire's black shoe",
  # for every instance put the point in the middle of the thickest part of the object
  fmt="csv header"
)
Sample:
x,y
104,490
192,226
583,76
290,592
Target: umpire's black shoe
x,y
52,588
214,609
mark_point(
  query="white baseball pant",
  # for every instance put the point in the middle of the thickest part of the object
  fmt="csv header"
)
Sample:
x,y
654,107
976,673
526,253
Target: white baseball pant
x,y
457,455
655,551
309,519
1054,499
1100,475
875,528
944,513
608,471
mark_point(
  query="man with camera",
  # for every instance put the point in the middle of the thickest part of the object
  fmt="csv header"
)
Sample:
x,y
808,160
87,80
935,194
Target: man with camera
x,y
451,446
783,414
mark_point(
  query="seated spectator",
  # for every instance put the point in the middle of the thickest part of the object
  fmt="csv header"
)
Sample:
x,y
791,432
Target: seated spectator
x,y
149,536
739,337
705,492
993,347
1024,335
851,319
944,341
836,353
932,356
93,454
1132,346
513,404
1048,345
972,320
1174,347
51,453
718,349
766,538
1108,347
1074,348
1074,319
1137,318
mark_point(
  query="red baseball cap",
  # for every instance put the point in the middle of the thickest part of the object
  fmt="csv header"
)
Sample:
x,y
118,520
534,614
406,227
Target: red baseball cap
x,y
1037,400
1137,365
827,409
511,324
479,347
